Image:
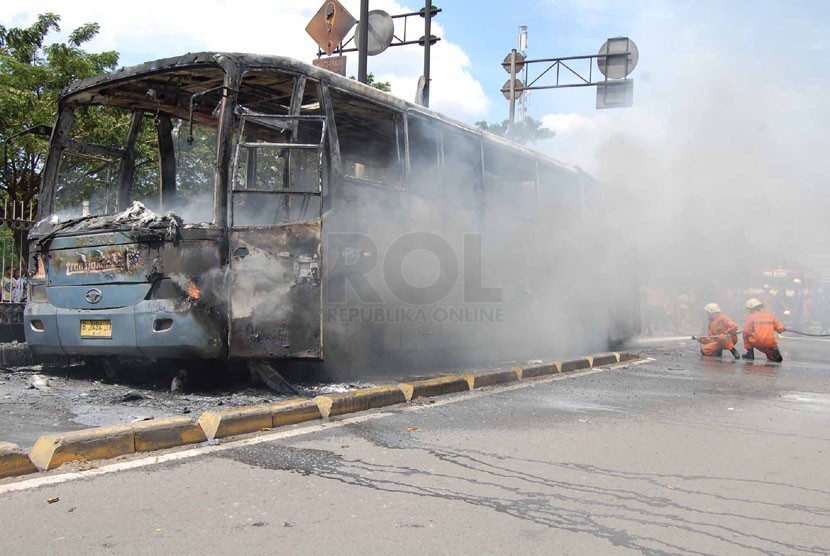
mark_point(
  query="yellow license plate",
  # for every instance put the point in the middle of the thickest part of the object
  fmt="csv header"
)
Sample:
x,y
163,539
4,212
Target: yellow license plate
x,y
96,329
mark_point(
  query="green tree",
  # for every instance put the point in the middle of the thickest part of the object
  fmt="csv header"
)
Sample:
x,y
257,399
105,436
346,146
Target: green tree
x,y
525,132
31,78
384,86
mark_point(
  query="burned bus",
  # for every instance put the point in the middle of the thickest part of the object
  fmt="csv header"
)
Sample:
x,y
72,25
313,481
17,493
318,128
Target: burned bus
x,y
234,207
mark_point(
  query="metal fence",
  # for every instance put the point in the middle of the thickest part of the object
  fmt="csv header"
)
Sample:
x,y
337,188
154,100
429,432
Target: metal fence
x,y
18,217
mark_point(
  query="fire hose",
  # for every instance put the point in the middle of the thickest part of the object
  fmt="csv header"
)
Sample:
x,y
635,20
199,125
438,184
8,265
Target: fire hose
x,y
807,333
787,330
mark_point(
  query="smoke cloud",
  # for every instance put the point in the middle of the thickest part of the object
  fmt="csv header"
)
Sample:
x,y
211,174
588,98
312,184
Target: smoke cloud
x,y
718,170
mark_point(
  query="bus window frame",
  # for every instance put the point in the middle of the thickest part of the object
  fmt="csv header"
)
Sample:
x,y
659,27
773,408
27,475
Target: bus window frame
x,y
233,174
294,114
399,121
435,128
522,206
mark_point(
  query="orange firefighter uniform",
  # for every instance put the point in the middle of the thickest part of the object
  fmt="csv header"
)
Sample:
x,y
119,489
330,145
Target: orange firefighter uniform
x,y
759,332
722,335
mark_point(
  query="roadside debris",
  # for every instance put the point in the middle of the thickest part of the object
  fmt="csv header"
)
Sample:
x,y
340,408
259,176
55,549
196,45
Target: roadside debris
x,y
131,396
272,378
52,500
179,382
39,382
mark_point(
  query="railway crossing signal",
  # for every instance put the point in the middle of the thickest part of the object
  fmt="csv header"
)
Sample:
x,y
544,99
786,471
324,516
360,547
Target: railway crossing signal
x,y
616,59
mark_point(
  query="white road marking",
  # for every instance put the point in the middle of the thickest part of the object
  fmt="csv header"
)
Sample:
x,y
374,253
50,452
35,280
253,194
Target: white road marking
x,y
59,478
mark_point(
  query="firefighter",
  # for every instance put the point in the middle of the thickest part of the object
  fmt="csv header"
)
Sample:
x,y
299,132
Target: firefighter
x,y
722,333
759,332
769,299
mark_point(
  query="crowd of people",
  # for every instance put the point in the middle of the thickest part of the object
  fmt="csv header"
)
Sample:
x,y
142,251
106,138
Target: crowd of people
x,y
14,286
679,311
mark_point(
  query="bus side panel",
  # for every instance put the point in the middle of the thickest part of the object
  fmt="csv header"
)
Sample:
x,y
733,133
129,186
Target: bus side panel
x,y
275,292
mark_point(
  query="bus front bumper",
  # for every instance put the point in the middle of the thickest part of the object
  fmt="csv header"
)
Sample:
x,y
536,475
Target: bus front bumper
x,y
151,329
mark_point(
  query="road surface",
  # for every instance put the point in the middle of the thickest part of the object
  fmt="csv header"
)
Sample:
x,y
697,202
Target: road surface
x,y
678,455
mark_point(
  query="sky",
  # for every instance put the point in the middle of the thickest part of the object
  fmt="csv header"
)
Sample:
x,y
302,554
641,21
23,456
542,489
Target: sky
x,y
729,120
684,46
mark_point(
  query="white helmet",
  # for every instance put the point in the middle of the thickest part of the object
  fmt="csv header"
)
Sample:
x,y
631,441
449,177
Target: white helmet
x,y
753,303
712,308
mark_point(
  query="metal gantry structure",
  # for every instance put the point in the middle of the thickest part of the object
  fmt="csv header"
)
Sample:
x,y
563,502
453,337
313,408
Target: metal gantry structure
x,y
615,61
362,37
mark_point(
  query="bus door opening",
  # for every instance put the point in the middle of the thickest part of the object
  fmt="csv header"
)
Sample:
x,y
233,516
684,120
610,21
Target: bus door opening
x,y
275,236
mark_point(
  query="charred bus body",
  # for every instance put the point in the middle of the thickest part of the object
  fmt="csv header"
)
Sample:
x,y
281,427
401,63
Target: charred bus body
x,y
221,206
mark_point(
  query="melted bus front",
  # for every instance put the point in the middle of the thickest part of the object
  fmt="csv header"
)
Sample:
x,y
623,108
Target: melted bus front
x,y
180,215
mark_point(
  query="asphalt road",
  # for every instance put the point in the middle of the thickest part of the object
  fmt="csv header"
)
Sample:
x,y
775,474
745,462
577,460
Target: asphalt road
x,y
678,455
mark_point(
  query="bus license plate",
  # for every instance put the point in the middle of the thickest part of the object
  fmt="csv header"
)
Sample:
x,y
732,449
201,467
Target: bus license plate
x,y
96,329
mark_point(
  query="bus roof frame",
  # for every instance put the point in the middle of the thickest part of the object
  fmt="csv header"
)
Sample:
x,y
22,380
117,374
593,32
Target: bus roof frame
x,y
232,61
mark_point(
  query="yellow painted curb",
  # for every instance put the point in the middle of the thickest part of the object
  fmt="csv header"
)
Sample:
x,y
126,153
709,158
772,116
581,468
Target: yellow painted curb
x,y
14,461
252,418
158,434
51,451
236,420
605,359
434,387
540,370
489,378
624,356
294,411
576,364
332,405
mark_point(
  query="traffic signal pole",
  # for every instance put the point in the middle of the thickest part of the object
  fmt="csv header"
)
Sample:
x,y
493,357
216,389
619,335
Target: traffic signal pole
x,y
362,54
427,44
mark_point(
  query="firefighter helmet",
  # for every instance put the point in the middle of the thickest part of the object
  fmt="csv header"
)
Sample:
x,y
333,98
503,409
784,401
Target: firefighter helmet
x,y
712,308
753,303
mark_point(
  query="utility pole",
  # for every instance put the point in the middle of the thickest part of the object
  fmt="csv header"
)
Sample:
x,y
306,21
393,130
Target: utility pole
x,y
362,54
512,90
523,52
427,43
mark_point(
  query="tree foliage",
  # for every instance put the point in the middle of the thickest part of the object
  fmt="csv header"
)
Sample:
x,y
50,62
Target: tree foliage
x,y
31,78
525,132
384,86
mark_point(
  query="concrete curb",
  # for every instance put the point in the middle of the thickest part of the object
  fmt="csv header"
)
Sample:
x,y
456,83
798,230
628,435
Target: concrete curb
x,y
576,364
236,420
625,356
489,378
295,411
431,387
51,451
604,359
252,418
14,461
332,405
539,370
159,434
